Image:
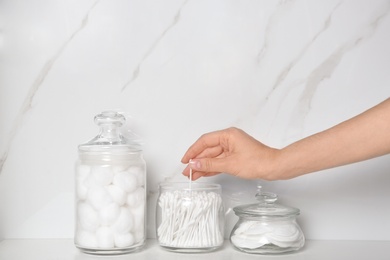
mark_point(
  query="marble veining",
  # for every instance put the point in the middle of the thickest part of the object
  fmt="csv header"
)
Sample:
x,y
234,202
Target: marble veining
x,y
137,70
27,104
327,67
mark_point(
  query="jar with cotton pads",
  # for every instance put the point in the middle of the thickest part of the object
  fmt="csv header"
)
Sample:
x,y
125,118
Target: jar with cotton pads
x,y
110,197
266,227
190,217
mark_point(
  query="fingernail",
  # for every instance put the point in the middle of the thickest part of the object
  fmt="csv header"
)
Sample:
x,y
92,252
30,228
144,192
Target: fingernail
x,y
194,164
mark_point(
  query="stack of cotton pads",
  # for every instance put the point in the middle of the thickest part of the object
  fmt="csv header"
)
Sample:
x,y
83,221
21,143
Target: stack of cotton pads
x,y
110,206
190,219
255,234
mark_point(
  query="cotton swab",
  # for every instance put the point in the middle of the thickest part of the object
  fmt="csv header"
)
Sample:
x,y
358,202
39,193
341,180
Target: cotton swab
x,y
190,176
190,222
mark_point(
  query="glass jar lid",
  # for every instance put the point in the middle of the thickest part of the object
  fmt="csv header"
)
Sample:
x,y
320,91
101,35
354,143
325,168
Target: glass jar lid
x,y
110,138
266,207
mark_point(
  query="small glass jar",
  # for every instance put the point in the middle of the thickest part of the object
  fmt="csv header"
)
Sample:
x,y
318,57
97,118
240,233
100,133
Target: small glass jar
x,y
110,191
190,217
266,227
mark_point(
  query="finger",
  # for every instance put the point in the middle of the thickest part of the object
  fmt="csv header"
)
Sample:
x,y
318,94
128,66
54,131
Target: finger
x,y
197,175
212,152
205,141
210,165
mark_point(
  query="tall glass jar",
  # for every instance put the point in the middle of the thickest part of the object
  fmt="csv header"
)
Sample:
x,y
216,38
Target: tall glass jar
x,y
110,197
190,218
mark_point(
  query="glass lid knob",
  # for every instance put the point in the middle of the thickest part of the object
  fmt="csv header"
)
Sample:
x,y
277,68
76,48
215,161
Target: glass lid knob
x,y
265,197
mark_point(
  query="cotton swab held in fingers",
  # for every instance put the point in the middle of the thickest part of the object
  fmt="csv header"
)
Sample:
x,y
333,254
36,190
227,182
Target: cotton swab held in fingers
x,y
190,176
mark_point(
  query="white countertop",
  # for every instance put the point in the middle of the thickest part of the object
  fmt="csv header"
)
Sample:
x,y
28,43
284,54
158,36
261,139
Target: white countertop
x,y
58,249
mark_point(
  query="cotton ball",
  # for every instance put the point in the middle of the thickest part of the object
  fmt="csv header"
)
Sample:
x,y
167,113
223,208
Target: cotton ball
x,y
86,239
139,235
105,237
138,214
98,197
82,172
139,174
81,190
101,175
119,168
136,197
88,218
109,214
117,194
125,221
125,181
123,239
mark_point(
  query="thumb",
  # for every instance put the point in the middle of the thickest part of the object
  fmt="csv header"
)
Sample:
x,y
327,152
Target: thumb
x,y
209,165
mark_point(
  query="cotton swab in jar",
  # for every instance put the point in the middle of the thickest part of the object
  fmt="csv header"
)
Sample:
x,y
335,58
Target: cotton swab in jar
x,y
191,225
190,176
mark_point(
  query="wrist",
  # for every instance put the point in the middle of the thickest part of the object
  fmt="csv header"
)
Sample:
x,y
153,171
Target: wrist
x,y
283,165
270,167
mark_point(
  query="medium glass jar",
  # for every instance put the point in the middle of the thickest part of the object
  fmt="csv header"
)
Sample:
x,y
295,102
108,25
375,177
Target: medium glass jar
x,y
110,191
267,227
190,217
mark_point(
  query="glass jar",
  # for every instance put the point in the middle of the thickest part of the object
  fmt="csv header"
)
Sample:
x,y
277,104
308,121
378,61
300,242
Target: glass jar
x,y
266,227
190,217
110,194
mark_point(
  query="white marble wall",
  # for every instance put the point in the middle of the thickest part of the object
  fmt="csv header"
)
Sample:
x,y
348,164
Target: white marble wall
x,y
280,70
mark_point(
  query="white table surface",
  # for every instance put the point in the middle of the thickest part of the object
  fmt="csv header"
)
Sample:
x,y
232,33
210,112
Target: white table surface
x,y
55,249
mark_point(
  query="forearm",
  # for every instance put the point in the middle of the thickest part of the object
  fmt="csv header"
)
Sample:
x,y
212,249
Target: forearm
x,y
360,138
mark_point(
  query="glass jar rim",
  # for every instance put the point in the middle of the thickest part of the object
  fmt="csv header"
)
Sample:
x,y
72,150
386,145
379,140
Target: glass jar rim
x,y
195,186
265,210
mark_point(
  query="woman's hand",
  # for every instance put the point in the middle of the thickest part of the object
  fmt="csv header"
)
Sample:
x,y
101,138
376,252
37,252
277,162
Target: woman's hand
x,y
230,151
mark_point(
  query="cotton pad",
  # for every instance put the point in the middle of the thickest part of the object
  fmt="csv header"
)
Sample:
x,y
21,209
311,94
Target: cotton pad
x,y
251,242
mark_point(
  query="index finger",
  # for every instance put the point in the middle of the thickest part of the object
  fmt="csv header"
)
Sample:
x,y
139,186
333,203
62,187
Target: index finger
x,y
208,140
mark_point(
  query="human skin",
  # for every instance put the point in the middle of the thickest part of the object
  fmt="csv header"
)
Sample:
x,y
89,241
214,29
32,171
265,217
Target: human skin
x,y
233,151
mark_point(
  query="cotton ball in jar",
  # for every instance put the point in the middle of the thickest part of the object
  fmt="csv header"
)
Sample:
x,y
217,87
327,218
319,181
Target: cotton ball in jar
x,y
101,175
105,237
136,197
98,197
125,181
82,173
139,173
123,239
117,194
125,221
139,235
109,214
87,217
86,239
138,214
